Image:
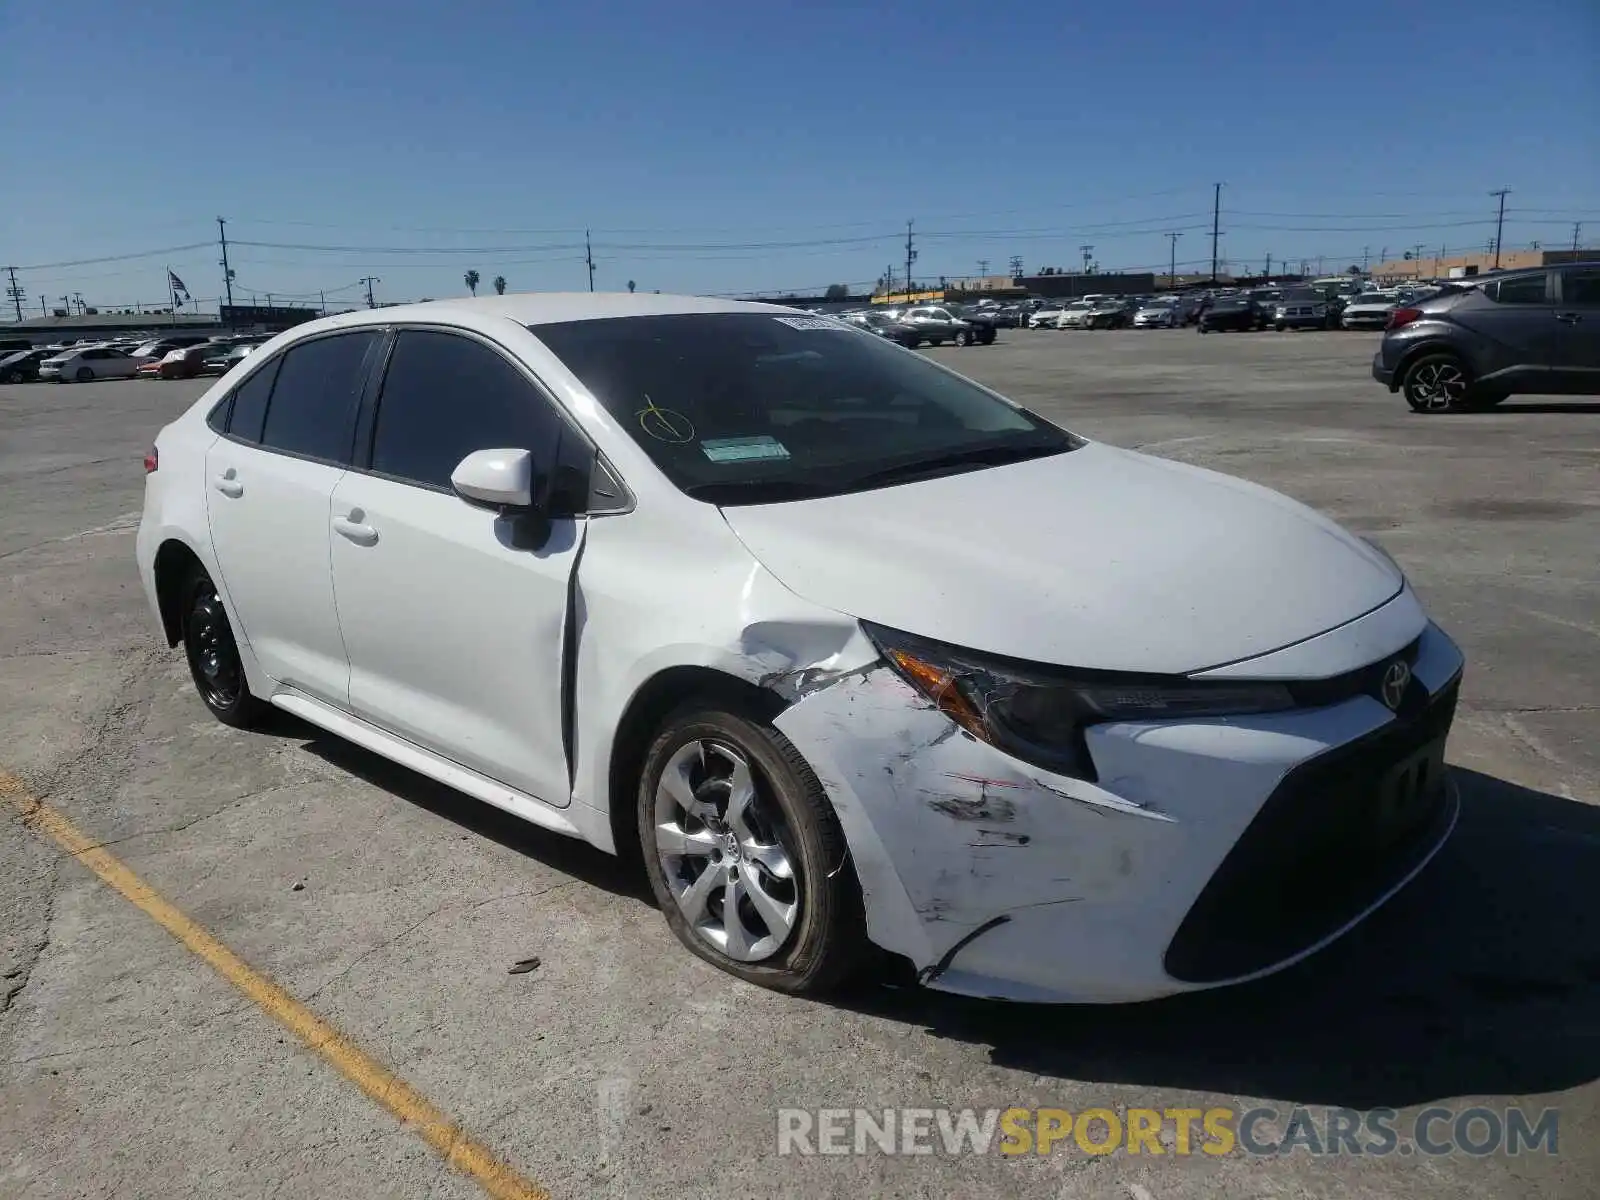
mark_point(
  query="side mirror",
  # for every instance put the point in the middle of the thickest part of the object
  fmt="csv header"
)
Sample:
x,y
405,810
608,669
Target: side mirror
x,y
498,478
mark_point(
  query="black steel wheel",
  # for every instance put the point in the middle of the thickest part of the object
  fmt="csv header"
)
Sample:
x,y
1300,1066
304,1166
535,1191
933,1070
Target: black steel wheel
x,y
213,655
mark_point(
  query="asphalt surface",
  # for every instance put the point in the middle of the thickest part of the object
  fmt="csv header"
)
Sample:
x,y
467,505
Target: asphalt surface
x,y
622,1066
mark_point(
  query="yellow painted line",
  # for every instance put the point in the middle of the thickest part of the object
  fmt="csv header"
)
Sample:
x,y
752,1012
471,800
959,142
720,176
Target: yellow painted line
x,y
447,1138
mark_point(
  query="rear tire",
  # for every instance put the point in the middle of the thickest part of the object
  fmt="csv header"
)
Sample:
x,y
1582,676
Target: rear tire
x,y
730,813
1436,383
964,338
84,374
213,655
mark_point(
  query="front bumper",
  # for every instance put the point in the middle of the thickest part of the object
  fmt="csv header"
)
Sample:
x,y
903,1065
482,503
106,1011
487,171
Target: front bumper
x,y
1209,852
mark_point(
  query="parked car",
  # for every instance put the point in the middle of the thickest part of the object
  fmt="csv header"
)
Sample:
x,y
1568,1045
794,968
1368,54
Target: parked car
x,y
937,325
1472,346
220,363
814,679
14,346
1303,308
1074,315
1158,314
21,366
1110,312
185,362
984,324
1237,313
88,364
1370,311
886,326
1046,316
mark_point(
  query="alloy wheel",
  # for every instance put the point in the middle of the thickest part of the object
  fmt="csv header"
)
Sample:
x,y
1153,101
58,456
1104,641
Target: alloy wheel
x,y
213,654
726,852
1437,386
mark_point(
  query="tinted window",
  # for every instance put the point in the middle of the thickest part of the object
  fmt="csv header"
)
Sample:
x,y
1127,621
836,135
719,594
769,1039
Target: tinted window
x,y
445,396
314,400
754,407
1526,289
1581,286
250,403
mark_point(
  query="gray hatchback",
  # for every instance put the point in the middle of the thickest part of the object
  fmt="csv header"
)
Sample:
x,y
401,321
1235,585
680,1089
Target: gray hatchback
x,y
1473,345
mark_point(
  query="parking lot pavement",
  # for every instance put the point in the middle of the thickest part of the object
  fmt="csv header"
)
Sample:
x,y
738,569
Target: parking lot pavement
x,y
622,1066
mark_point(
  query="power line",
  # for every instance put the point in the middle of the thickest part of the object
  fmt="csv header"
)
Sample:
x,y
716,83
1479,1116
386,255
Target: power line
x,y
89,262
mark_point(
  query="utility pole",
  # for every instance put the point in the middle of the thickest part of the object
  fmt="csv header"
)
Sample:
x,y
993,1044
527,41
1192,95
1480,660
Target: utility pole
x,y
1216,218
1088,251
323,296
983,267
227,272
369,281
1577,228
588,257
78,299
1266,274
1016,266
1499,224
911,257
1172,258
16,293
42,310
1364,260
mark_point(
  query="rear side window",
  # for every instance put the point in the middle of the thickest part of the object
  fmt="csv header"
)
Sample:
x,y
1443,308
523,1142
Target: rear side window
x,y
1581,285
445,396
1527,289
313,406
250,403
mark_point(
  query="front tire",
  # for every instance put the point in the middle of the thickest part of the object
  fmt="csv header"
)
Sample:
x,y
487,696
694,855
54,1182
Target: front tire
x,y
1437,383
963,339
745,855
213,655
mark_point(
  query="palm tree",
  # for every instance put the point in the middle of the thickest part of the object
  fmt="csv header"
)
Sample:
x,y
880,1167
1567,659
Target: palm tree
x,y
499,285
471,280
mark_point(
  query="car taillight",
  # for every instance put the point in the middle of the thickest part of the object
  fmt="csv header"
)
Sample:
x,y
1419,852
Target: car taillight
x,y
152,460
1403,316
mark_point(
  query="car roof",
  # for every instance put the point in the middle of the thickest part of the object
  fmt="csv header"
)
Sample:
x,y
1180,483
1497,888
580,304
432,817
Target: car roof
x,y
543,308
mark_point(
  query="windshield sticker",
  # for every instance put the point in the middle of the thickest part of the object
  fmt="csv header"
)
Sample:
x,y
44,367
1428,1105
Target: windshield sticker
x,y
665,424
811,322
745,449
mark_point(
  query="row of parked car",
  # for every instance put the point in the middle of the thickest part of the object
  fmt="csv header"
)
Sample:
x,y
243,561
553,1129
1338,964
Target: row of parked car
x,y
180,356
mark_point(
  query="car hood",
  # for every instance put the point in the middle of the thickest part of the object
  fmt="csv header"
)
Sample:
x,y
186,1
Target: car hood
x,y
1099,558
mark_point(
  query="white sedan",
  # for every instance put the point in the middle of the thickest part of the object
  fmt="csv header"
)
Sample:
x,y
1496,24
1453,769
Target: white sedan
x,y
87,363
766,602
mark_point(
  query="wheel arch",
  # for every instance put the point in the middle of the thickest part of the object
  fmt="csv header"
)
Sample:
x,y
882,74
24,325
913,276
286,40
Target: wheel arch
x,y
656,697
175,560
1430,345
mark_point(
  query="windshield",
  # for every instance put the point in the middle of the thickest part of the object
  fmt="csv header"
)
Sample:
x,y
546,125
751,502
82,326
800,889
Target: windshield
x,y
747,408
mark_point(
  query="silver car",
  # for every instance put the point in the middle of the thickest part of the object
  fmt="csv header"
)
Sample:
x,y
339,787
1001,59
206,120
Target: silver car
x,y
1163,314
83,365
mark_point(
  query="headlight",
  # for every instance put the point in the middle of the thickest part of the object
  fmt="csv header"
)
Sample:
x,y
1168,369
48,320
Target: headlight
x,y
1038,713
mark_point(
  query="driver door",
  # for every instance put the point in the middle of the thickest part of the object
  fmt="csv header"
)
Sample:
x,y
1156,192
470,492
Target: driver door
x,y
454,623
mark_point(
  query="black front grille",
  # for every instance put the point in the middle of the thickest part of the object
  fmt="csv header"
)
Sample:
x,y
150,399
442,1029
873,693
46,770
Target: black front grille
x,y
1363,681
1338,832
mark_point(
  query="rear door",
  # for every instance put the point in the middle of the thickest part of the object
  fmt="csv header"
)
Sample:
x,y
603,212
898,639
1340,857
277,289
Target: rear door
x,y
1575,331
1515,318
455,621
269,483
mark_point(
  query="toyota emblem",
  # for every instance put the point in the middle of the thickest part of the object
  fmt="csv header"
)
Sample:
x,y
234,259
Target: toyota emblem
x,y
1393,688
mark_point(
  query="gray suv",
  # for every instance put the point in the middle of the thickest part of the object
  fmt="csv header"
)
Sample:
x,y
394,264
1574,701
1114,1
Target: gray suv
x,y
1473,345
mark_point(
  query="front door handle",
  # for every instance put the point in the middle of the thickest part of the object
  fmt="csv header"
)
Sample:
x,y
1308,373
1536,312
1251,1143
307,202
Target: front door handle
x,y
228,484
359,533
1569,318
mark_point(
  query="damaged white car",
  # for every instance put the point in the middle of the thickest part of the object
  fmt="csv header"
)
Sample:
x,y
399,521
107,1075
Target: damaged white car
x,y
851,651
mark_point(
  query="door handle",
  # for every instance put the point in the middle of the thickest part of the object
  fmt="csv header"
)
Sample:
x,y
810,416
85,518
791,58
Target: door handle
x,y
1569,318
360,534
228,484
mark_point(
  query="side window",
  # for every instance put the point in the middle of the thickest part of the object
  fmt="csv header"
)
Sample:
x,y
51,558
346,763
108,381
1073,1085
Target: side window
x,y
250,403
445,396
313,406
1581,285
1527,289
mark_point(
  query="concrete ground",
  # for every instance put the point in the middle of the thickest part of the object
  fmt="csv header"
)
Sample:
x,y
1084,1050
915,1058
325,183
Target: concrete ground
x,y
623,1066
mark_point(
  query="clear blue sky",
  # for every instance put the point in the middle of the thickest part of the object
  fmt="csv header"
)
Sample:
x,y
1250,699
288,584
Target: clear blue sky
x,y
701,141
